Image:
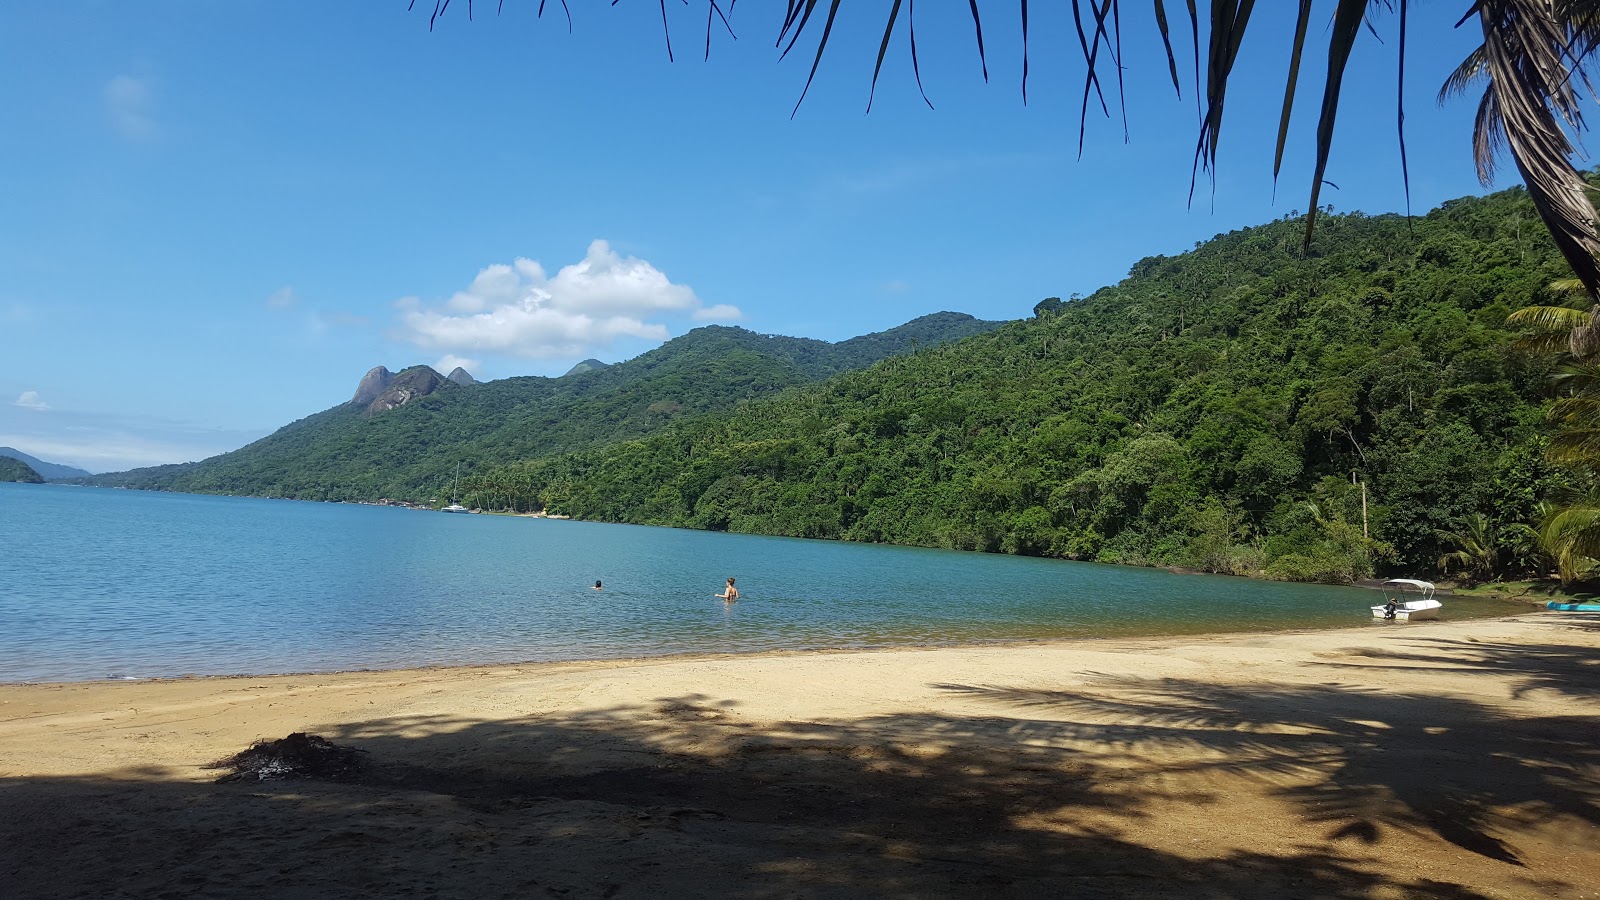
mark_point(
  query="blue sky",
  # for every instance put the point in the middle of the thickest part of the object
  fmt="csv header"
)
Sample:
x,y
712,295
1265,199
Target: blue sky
x,y
215,217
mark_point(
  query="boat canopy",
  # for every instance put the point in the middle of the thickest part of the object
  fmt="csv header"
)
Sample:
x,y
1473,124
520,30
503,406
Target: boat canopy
x,y
1412,582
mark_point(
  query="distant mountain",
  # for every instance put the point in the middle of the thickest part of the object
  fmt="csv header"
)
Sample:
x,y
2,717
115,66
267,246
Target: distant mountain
x,y
47,470
586,366
462,377
401,435
13,469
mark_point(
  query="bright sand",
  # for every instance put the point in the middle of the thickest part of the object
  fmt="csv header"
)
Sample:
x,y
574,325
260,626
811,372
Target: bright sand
x,y
1426,760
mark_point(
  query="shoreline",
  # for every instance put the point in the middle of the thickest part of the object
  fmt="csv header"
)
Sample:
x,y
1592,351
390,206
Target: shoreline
x,y
692,655
1449,759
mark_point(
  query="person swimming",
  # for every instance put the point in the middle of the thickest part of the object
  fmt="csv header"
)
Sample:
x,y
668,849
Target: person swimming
x,y
597,585
730,594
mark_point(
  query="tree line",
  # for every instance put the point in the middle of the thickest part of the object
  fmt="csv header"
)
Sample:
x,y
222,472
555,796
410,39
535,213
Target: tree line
x,y
1247,407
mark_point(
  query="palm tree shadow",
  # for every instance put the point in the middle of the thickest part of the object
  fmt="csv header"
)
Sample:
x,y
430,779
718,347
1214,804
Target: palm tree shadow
x,y
1579,621
1566,669
681,798
1365,759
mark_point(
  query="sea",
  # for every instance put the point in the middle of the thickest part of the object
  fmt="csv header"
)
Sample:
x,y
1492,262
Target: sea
x,y
98,583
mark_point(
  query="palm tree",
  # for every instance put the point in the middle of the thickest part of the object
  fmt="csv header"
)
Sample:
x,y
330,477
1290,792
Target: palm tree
x,y
1571,537
1477,552
1574,336
1530,64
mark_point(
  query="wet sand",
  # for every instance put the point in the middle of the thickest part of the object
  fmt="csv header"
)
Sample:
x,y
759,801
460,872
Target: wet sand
x,y
1450,760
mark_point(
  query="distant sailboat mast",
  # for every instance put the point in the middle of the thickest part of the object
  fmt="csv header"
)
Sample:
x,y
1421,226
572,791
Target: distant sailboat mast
x,y
455,489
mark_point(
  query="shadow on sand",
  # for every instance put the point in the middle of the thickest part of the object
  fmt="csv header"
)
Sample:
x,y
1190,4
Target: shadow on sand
x,y
1040,792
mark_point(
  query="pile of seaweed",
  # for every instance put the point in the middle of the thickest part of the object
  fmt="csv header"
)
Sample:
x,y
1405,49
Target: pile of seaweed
x,y
299,755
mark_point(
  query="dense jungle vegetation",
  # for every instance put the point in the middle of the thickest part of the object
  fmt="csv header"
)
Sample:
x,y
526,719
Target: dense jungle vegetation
x,y
17,470
1245,407
410,452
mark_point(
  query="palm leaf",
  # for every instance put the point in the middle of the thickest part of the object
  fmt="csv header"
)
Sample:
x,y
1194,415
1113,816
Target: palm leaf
x,y
1289,85
977,26
827,29
1229,21
1166,43
1528,51
888,31
1347,19
1576,447
1461,79
1549,318
1574,529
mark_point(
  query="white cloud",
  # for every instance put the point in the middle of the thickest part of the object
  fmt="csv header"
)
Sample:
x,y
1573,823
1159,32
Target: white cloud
x,y
721,311
450,362
31,400
128,102
283,298
519,310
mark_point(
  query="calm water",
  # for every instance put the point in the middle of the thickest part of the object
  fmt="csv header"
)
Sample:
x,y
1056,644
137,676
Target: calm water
x,y
101,583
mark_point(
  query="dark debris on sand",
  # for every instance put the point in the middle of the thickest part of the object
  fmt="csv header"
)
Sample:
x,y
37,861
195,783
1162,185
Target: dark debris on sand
x,y
299,755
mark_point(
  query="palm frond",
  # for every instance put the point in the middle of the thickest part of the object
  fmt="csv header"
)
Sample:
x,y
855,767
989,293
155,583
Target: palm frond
x,y
1289,85
1527,52
1229,21
1461,79
1575,412
1575,447
1166,43
1577,376
883,48
1549,318
1567,287
1573,529
1347,18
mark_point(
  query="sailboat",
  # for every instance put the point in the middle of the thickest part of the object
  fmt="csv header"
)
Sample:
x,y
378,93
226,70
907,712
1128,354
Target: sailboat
x,y
454,506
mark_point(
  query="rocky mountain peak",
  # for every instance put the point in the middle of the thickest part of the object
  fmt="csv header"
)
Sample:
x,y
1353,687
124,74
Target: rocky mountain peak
x,y
462,377
417,381
372,385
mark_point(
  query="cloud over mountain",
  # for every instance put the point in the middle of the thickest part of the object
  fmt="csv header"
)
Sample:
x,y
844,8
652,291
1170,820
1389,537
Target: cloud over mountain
x,y
519,310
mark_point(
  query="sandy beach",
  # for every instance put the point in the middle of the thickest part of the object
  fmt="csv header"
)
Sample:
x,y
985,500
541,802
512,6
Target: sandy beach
x,y
1451,760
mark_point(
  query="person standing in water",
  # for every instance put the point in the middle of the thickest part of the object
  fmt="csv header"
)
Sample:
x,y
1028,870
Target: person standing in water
x,y
731,594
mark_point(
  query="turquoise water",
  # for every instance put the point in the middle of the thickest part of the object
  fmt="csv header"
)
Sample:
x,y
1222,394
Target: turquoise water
x,y
98,583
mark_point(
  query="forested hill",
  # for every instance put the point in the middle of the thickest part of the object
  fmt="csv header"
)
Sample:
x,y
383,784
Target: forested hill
x,y
1218,409
12,469
44,469
411,452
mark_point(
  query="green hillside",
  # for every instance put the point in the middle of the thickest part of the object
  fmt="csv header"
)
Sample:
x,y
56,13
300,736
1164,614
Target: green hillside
x,y
17,470
1220,409
47,470
411,452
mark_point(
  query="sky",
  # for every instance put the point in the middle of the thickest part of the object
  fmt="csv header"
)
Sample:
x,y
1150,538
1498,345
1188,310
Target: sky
x,y
216,217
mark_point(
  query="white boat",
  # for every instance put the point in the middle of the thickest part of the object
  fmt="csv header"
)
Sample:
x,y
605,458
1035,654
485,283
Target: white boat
x,y
1407,600
455,507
